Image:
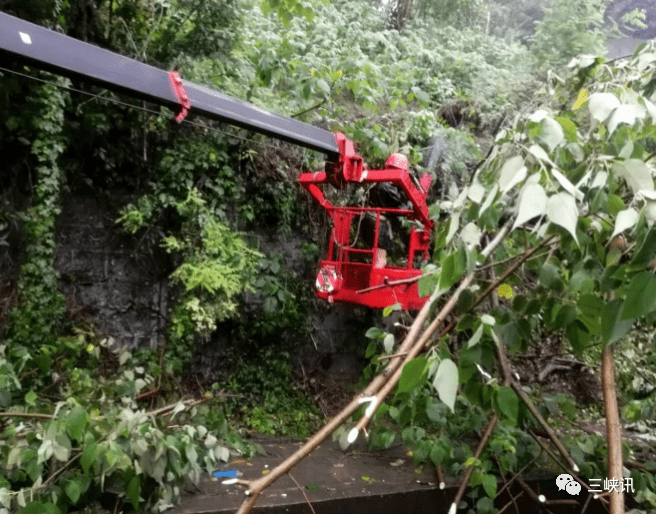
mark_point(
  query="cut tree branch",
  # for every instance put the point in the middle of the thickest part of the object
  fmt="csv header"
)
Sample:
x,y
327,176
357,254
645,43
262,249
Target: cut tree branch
x,y
388,375
470,469
563,467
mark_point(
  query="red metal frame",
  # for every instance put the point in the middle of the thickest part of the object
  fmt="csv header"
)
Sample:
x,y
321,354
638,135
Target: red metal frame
x,y
373,284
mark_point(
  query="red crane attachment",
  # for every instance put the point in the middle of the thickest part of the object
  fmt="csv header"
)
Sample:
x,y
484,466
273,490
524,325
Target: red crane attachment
x,y
362,275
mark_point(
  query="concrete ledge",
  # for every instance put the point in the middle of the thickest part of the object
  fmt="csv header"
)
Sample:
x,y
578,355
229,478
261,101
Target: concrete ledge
x,y
353,482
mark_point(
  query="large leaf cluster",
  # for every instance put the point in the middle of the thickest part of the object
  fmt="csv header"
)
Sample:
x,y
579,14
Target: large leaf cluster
x,y
577,171
98,445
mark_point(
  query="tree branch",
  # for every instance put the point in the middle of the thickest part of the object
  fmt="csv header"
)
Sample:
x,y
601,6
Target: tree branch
x,y
564,468
303,492
470,469
25,415
309,109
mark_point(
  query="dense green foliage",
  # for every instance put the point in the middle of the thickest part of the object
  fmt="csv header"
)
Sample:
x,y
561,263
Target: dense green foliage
x,y
578,174
38,314
200,195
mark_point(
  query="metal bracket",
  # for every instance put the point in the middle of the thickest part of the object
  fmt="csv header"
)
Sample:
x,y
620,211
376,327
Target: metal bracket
x,y
179,91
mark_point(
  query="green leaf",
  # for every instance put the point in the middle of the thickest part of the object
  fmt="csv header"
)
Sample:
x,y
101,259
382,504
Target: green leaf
x,y
90,456
270,305
44,361
488,201
476,337
30,398
375,333
427,284
388,343
412,374
437,454
566,315
508,403
626,219
391,308
453,227
640,299
578,336
34,508
601,105
465,301
265,7
13,457
61,448
73,490
451,271
76,422
490,485
646,251
134,491
614,205
50,508
623,114
434,413
447,271
532,203
567,185
613,256
485,505
111,456
446,382
581,281
590,304
551,133
550,276
569,128
371,350
612,327
561,210
323,85
592,323
471,236
636,173
540,154
512,172
313,487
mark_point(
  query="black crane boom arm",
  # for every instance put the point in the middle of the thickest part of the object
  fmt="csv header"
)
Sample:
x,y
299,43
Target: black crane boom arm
x,y
49,50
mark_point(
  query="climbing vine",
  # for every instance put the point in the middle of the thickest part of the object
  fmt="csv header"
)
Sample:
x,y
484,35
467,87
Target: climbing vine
x,y
38,314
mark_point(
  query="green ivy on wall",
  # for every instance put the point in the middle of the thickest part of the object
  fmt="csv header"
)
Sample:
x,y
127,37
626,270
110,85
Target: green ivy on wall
x,y
39,312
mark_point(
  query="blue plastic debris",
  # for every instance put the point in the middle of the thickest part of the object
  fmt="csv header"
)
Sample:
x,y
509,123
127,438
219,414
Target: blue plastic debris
x,y
225,474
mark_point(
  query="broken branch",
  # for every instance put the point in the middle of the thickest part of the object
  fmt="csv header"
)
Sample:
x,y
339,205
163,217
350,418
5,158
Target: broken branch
x,y
470,469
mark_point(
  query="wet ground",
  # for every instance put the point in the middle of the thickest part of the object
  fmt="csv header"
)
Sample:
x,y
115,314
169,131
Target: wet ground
x,y
351,482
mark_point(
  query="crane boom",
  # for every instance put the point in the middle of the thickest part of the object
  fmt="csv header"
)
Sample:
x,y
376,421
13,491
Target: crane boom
x,y
348,273
52,51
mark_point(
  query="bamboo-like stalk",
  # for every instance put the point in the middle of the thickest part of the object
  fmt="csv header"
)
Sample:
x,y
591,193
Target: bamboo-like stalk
x,y
613,429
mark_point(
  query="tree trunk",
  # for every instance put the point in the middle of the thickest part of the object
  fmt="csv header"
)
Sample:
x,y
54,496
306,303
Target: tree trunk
x,y
401,14
613,430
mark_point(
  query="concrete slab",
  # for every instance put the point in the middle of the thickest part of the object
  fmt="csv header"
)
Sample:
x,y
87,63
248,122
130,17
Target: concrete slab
x,y
328,477
356,482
